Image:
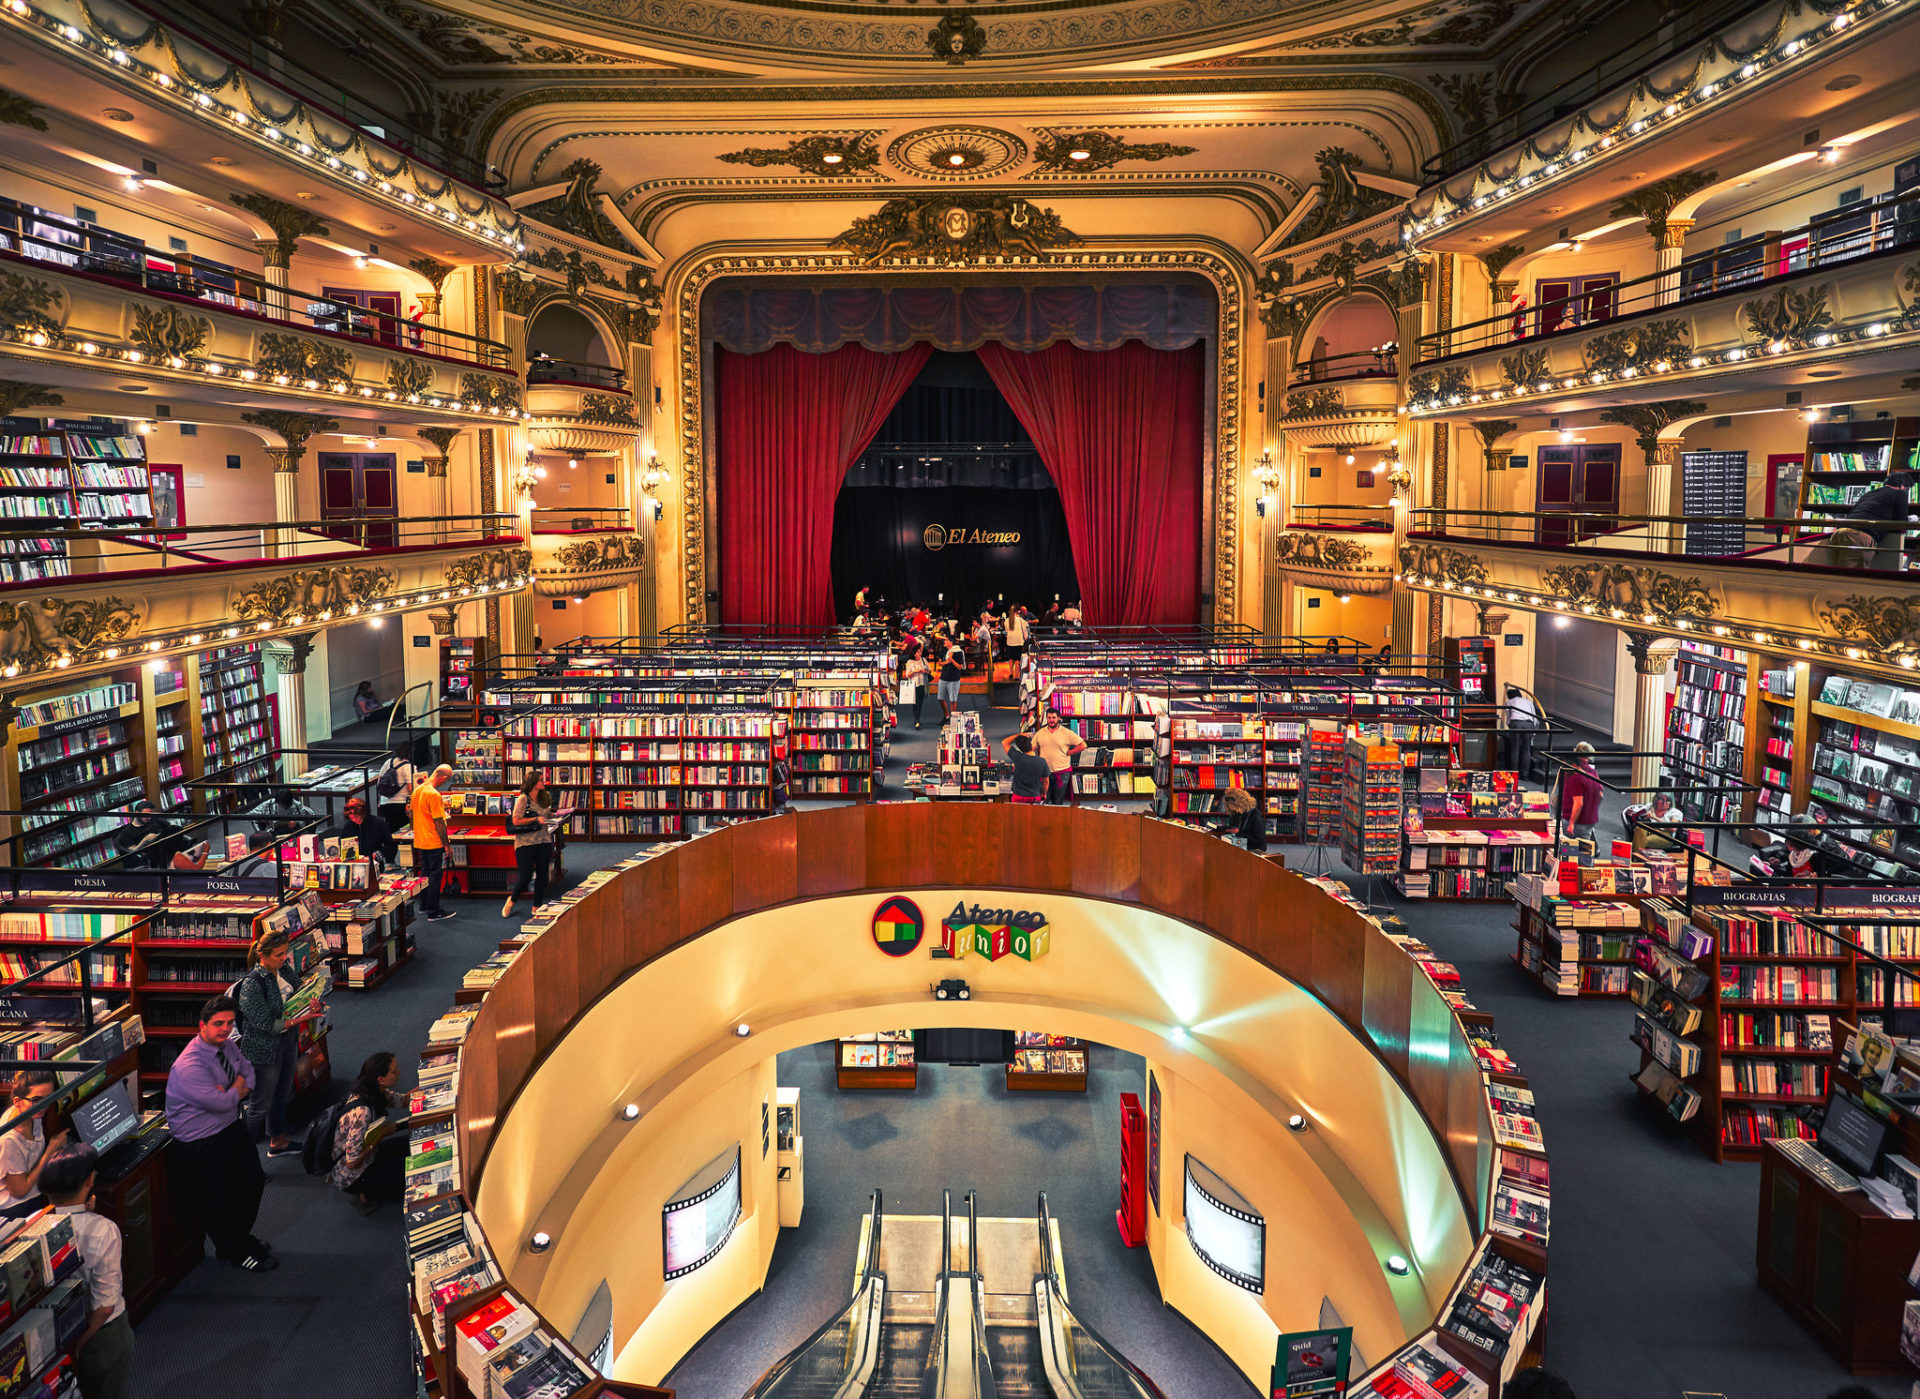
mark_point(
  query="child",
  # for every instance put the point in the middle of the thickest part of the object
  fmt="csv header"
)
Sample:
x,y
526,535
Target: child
x,y
106,1347
23,1149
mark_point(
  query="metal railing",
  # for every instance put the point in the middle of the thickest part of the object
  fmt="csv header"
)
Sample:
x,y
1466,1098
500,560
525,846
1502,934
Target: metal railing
x,y
1362,518
1382,362
1858,230
48,241
1819,539
830,1362
545,369
1074,1351
108,549
562,519
1680,28
216,32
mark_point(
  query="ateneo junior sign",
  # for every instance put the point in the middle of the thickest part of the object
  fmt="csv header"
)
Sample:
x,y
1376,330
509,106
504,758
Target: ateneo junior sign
x,y
995,932
937,537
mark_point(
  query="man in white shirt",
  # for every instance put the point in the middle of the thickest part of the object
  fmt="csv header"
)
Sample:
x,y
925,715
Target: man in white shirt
x,y
105,1356
1521,716
1057,743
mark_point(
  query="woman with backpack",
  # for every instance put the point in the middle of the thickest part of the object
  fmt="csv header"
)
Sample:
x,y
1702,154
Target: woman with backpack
x,y
529,822
370,1171
270,1041
393,786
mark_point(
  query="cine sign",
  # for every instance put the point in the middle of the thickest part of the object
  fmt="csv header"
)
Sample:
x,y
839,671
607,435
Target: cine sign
x,y
938,537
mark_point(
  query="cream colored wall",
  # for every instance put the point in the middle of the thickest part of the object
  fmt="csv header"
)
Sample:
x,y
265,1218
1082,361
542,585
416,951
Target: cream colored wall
x,y
1366,1180
1367,619
1779,203
222,496
598,616
218,237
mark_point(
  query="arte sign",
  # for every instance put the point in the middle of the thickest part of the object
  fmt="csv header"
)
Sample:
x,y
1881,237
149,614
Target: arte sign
x,y
995,932
937,537
898,926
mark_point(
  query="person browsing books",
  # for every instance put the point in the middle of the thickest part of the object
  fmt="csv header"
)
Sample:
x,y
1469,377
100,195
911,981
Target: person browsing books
x,y
1057,743
24,1147
429,810
531,823
150,841
214,1167
369,1158
104,1356
393,787
282,813
270,1040
369,834
1883,512
1580,794
1030,771
1245,821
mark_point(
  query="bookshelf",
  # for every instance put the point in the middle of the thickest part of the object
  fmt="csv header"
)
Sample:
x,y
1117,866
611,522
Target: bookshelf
x,y
1707,727
77,756
464,661
831,739
237,740
1469,661
883,1059
1325,761
34,485
368,936
1865,770
1467,833
1044,1063
1846,460
1209,752
1575,945
1370,808
108,478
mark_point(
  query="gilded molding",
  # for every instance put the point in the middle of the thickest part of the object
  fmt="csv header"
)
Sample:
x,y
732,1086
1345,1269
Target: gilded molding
x,y
1792,316
1435,387
1100,150
1622,589
1641,348
957,38
28,304
1313,549
1314,403
1343,199
409,378
1440,564
955,228
289,222
491,391
602,552
1888,623
39,631
826,156
297,358
168,332
295,429
1649,420
608,407
493,566
435,271
1655,202
1525,369
306,592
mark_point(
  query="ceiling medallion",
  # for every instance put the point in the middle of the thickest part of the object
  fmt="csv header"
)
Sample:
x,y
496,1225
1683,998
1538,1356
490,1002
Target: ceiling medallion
x,y
956,228
956,152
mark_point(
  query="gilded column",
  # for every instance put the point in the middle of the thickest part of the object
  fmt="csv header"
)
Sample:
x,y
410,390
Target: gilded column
x,y
1652,655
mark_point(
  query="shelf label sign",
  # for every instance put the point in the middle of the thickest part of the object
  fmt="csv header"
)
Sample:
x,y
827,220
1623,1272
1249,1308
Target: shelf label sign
x,y
898,926
1312,1363
995,932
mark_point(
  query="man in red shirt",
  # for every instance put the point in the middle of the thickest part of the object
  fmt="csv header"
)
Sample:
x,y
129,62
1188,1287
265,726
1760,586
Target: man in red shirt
x,y
1580,795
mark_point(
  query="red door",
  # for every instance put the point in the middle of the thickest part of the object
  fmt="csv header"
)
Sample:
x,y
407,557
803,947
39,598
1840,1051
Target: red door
x,y
1576,479
361,490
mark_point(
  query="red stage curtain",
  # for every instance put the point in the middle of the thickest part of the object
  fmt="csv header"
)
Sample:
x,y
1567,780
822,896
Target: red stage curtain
x,y
1121,431
791,424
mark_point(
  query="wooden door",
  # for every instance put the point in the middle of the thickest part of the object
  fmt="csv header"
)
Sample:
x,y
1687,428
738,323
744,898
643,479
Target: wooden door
x,y
361,490
1576,478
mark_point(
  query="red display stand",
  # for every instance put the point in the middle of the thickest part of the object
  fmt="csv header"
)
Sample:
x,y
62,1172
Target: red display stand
x,y
1132,1214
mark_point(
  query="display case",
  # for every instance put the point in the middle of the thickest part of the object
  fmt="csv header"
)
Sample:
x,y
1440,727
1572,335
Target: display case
x,y
1044,1063
883,1059
790,1161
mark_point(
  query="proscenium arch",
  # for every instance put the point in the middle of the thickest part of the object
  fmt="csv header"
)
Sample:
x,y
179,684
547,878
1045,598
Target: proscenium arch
x,y
639,926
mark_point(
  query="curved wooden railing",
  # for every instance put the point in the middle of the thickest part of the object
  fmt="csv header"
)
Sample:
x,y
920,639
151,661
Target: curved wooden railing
x,y
1268,913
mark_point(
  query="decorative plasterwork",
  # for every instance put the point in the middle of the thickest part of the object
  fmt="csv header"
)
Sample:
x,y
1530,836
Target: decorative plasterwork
x,y
167,69
1313,403
408,378
1084,151
1230,281
289,222
491,392
1441,564
1625,591
608,407
460,42
1785,38
37,632
307,592
29,305
1790,316
1655,202
1649,420
1443,24
14,396
576,210
957,228
957,38
167,333
296,359
588,564
826,156
1359,563
495,566
1439,387
295,429
1648,348
16,110
956,152
1342,200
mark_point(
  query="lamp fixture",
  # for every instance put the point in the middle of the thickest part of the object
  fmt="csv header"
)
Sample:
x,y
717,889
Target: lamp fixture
x,y
630,1113
1296,1123
540,1242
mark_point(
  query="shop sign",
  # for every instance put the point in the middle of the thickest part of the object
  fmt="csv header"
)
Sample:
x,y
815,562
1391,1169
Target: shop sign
x,y
1312,1363
937,537
898,926
995,932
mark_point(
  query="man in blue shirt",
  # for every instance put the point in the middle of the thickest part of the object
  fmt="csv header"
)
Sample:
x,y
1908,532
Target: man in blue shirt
x,y
215,1166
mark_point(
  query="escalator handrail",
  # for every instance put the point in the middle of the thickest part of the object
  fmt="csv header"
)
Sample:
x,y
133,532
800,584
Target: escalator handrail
x,y
973,1237
868,1272
1050,1272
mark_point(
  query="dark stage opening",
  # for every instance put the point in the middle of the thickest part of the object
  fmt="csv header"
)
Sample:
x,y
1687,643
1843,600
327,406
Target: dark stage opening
x,y
951,502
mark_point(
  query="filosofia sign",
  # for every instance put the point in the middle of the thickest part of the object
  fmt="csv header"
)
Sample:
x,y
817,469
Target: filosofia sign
x,y
938,537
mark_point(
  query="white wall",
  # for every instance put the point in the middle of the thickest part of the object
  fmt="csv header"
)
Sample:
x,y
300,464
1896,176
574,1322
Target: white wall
x,y
367,650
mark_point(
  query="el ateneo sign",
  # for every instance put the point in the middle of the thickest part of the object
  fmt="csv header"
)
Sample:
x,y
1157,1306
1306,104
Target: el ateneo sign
x,y
937,537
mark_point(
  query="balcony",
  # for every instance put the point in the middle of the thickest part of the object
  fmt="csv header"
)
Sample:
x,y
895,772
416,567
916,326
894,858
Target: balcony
x,y
570,410
1361,411
191,92
1785,588
1748,315
576,552
128,596
1657,106
1343,549
86,301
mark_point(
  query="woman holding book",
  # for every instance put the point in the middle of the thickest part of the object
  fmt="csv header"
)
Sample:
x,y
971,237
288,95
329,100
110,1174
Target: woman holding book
x,y
369,1161
24,1146
531,823
270,1040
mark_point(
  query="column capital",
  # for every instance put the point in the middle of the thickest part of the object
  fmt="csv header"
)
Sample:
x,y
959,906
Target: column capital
x,y
286,460
1651,652
1672,234
443,621
1490,619
273,252
299,650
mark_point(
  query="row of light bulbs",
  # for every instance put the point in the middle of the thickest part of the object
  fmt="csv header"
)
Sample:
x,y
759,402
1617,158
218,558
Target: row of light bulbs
x,y
1874,330
1699,93
213,369
187,641
449,212
1780,640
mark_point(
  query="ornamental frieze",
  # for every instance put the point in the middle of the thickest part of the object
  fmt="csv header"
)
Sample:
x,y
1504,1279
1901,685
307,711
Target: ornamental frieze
x,y
1791,316
166,332
1441,564
955,228
307,592
1643,348
1313,403
29,306
495,566
491,391
606,552
296,357
408,378
1636,592
1316,550
39,631
1886,622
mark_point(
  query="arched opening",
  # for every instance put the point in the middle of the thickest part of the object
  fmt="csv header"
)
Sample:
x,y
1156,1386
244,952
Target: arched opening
x,y
566,346
1356,339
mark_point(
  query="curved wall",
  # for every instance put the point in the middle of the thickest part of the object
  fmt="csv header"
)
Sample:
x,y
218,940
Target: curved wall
x,y
1295,1002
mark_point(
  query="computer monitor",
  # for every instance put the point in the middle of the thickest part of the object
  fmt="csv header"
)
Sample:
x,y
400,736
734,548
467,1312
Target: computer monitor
x,y
1851,1135
108,1117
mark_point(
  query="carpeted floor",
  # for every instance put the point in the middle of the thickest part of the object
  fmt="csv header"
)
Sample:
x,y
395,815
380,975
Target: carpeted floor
x,y
1653,1289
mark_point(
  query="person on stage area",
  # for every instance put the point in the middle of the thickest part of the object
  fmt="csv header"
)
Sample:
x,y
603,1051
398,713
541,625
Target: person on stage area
x,y
860,601
215,1166
1030,771
1057,744
1070,614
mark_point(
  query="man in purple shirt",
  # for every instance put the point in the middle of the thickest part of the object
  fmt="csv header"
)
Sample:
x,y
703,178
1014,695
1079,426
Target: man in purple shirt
x,y
215,1166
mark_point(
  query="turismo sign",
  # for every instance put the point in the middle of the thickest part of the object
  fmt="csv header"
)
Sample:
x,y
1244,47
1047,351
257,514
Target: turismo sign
x,y
937,537
995,932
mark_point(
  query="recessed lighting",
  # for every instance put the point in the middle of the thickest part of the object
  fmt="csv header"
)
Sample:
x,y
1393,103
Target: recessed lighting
x,y
1079,155
305,194
540,1242
131,388
1398,1266
117,114
956,159
832,158
743,1029
630,1113
224,160
1843,82
1296,1123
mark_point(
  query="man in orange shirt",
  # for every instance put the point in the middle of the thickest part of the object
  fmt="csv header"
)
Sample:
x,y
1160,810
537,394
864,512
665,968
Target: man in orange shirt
x,y
429,810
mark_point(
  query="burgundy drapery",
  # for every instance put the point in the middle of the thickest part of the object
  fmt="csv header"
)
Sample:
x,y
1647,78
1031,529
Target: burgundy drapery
x,y
791,424
1122,433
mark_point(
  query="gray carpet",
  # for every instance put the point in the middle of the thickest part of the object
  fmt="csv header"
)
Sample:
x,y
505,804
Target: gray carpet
x,y
1652,1286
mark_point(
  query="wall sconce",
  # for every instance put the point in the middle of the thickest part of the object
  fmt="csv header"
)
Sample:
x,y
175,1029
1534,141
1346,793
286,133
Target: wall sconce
x,y
659,510
523,480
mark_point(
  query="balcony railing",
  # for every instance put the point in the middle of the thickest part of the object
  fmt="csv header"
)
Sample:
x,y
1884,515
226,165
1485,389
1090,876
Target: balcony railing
x,y
32,235
545,369
1844,235
575,520
1355,518
1681,28
1381,363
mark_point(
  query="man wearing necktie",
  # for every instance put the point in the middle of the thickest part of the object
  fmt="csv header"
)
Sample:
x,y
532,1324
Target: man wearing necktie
x,y
214,1164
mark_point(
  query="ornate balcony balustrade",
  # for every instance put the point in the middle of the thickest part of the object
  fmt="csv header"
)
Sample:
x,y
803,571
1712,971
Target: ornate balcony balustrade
x,y
577,419
127,596
1355,413
1343,551
576,552
1780,588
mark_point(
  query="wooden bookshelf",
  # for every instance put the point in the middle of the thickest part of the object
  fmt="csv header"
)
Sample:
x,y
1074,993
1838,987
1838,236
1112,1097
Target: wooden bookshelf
x,y
830,740
1715,708
464,663
1044,1063
237,737
1370,807
884,1059
1846,460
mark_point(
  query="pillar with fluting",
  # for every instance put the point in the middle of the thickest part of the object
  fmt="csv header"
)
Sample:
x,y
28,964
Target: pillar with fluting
x,y
275,256
1669,246
1652,657
291,657
1663,476
286,497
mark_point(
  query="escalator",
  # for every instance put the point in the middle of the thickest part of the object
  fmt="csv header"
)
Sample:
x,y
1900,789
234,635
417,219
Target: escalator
x,y
948,1307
